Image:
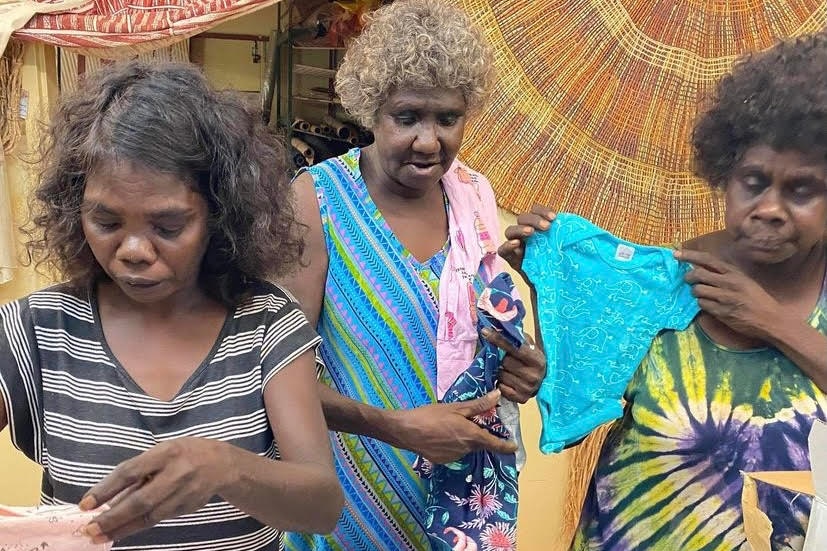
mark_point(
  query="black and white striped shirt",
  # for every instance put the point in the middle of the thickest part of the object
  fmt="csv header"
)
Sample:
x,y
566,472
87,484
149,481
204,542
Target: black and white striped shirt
x,y
73,408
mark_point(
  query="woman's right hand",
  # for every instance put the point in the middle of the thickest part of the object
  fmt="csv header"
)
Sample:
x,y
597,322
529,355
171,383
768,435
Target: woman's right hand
x,y
442,433
513,250
173,478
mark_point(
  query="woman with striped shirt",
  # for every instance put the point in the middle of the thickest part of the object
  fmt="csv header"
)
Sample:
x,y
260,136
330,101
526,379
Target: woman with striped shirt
x,y
165,370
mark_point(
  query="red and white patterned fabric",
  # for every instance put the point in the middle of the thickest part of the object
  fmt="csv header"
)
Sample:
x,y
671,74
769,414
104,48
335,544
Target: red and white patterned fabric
x,y
130,23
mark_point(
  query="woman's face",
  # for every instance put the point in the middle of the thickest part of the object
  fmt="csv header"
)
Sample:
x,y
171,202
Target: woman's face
x,y
417,134
776,205
147,230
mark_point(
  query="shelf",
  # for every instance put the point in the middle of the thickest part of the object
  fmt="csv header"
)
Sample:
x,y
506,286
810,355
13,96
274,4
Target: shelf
x,y
302,39
311,70
300,46
318,99
323,136
308,79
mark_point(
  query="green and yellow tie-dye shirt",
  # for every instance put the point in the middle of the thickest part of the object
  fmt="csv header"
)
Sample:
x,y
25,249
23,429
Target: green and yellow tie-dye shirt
x,y
697,414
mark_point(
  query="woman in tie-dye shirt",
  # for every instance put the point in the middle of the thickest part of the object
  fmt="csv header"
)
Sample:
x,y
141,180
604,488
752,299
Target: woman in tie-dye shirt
x,y
739,389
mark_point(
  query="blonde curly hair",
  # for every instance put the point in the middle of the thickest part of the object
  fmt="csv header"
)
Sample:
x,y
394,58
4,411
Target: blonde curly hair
x,y
414,44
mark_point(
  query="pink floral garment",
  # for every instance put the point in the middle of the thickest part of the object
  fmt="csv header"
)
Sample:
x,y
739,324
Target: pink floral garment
x,y
46,528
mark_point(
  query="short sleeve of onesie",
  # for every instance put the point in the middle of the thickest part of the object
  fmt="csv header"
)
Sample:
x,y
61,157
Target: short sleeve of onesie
x,y
601,301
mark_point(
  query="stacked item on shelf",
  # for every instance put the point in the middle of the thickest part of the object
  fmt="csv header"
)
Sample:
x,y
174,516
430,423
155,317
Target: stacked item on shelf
x,y
312,142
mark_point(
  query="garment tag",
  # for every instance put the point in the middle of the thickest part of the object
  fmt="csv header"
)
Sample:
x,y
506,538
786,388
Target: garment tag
x,y
624,252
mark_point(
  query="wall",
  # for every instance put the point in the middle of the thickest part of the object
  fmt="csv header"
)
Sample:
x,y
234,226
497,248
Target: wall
x,y
229,63
20,478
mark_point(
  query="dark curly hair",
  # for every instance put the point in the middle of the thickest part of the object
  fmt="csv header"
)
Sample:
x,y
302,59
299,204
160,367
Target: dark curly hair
x,y
168,118
777,97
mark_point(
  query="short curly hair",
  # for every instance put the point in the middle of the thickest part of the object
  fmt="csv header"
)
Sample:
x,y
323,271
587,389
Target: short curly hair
x,y
166,117
414,43
777,97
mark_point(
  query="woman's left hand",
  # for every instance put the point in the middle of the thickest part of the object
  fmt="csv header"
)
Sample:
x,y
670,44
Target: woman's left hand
x,y
522,368
172,478
729,295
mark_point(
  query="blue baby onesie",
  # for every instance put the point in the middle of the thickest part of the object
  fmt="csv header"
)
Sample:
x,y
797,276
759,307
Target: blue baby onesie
x,y
601,301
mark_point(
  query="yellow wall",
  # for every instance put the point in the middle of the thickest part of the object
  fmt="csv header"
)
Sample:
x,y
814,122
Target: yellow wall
x,y
229,63
20,478
542,483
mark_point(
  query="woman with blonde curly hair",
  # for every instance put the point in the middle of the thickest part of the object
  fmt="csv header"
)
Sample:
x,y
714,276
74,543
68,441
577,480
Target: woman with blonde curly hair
x,y
400,242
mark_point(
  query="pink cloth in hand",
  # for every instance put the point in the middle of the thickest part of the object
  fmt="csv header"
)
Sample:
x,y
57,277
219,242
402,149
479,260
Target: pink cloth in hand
x,y
46,528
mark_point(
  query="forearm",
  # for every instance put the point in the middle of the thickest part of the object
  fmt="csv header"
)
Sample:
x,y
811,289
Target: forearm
x,y
347,415
441,433
804,346
297,497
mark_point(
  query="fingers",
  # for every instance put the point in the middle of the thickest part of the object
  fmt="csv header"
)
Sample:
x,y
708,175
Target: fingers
x,y
480,405
528,222
703,259
518,232
704,275
487,441
511,249
522,368
708,292
709,306
131,473
538,218
522,376
498,340
124,489
515,388
101,530
542,212
509,393
139,510
456,437
528,352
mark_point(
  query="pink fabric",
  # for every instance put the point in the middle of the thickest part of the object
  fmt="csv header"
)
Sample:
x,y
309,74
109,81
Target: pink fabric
x,y
474,231
48,527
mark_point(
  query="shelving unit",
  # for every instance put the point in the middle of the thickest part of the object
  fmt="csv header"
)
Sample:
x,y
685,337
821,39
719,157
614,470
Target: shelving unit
x,y
301,85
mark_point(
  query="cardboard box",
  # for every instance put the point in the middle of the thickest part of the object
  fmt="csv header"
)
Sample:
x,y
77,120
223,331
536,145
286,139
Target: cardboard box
x,y
758,526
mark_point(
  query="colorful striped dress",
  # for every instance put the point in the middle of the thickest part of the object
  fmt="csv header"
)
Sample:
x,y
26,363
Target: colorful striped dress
x,y
378,323
669,476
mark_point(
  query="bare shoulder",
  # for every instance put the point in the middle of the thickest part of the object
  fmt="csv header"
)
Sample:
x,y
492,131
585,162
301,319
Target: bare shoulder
x,y
304,188
306,282
307,208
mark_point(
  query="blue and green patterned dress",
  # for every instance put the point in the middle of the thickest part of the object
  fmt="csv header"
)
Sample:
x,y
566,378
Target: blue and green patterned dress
x,y
378,324
697,414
